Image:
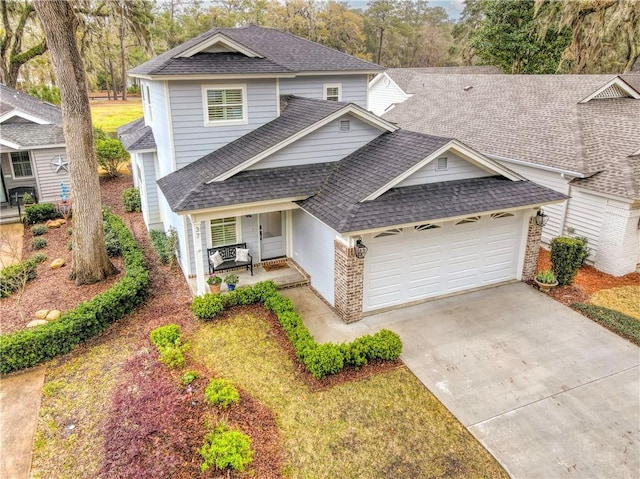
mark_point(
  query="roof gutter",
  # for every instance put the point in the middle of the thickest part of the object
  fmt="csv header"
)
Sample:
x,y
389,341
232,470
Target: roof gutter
x,y
540,167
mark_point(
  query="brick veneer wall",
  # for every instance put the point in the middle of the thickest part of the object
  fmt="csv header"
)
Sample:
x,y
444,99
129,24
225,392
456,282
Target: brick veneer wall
x,y
534,234
349,273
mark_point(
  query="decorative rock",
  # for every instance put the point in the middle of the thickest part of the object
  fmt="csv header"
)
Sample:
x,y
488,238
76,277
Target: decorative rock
x,y
53,315
55,223
57,263
36,322
41,314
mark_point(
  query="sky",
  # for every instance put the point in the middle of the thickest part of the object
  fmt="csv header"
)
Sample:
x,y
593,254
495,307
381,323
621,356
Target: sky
x,y
453,7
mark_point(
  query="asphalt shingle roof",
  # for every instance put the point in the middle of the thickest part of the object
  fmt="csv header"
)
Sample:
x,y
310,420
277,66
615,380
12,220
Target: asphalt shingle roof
x,y
282,53
432,201
532,118
181,187
11,99
31,134
136,136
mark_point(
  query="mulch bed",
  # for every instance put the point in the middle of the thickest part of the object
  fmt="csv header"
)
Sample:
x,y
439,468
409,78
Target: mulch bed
x,y
588,280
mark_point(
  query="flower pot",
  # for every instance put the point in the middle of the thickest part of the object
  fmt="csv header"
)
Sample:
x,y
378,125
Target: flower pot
x,y
545,287
231,287
214,288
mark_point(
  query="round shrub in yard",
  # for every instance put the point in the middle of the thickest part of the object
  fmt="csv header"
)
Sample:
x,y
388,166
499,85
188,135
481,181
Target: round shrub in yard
x,y
226,448
131,200
38,243
220,392
38,230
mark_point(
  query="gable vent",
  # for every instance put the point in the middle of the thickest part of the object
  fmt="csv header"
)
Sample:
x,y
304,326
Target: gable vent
x,y
345,125
614,91
393,232
442,164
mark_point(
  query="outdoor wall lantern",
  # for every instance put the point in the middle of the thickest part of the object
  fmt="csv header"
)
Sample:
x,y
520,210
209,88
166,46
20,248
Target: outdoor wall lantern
x,y
361,249
541,218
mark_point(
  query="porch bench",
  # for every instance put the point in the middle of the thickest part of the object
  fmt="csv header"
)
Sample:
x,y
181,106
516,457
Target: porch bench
x,y
16,194
228,253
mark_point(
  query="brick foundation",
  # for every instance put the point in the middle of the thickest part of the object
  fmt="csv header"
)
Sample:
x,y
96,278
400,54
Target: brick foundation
x,y
534,234
349,272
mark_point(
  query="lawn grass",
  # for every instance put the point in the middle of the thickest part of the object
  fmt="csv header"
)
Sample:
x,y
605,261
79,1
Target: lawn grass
x,y
625,299
75,400
109,115
387,425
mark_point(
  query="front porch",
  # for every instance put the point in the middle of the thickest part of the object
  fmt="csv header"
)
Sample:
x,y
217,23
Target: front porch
x,y
11,214
283,272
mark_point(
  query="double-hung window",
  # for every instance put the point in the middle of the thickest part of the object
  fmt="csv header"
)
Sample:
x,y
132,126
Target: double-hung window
x,y
332,91
21,164
225,104
223,231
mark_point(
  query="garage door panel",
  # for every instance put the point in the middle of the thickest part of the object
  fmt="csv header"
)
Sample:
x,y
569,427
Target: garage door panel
x,y
420,264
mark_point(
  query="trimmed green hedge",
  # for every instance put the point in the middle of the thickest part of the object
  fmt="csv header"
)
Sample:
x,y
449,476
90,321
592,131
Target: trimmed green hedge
x,y
14,276
619,323
567,255
41,212
320,359
27,348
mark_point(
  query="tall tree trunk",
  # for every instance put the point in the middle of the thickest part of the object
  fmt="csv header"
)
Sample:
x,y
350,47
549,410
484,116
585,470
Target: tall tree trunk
x,y
380,45
123,63
90,262
112,75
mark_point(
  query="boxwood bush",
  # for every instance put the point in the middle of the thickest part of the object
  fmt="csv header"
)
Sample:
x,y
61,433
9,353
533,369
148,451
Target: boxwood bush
x,y
168,341
226,448
222,393
567,255
131,200
41,212
320,359
26,348
15,275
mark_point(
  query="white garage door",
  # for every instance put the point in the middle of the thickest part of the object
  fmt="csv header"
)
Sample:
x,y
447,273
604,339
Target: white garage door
x,y
424,261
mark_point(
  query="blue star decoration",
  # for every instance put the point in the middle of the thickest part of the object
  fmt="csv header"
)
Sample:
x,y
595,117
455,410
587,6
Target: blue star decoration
x,y
59,163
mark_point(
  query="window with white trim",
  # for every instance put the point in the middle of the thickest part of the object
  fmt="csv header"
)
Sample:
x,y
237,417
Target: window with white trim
x,y
225,104
332,91
21,164
147,103
223,231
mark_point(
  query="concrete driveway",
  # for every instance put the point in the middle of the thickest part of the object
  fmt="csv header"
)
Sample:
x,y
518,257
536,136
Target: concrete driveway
x,y
547,391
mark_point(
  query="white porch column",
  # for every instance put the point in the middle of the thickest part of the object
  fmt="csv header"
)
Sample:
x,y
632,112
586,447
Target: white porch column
x,y
201,285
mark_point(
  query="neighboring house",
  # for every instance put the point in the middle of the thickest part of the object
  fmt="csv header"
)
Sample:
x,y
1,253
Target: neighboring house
x,y
577,134
32,148
254,135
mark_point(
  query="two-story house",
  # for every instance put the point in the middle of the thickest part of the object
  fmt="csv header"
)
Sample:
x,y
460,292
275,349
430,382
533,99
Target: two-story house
x,y
254,135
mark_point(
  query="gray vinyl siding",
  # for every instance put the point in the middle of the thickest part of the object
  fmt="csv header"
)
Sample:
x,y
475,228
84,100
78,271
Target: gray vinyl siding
x,y
193,140
326,144
148,188
553,181
313,249
49,182
250,234
354,87
585,217
382,96
161,126
10,181
457,169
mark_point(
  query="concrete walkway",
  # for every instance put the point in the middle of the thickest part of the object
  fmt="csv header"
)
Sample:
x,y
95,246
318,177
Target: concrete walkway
x,y
20,396
548,392
10,243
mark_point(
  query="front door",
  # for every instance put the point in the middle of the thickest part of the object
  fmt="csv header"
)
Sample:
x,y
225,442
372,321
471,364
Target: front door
x,y
272,237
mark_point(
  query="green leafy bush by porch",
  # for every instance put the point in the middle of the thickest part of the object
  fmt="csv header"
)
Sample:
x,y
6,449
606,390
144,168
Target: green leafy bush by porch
x,y
131,200
41,212
567,255
321,360
619,323
14,276
226,448
27,348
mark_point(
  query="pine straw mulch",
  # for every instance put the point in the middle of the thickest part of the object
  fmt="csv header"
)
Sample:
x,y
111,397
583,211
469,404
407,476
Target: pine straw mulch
x,y
588,281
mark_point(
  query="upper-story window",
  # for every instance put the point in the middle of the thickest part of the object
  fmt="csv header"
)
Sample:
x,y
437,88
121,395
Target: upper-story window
x,y
225,104
21,164
333,91
146,100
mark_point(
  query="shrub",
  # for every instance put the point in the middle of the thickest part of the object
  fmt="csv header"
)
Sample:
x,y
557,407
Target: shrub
x,y
26,348
168,335
14,276
38,243
165,245
221,393
111,154
38,230
619,323
188,377
226,448
567,255
41,213
131,200
207,306
111,241
320,359
173,356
